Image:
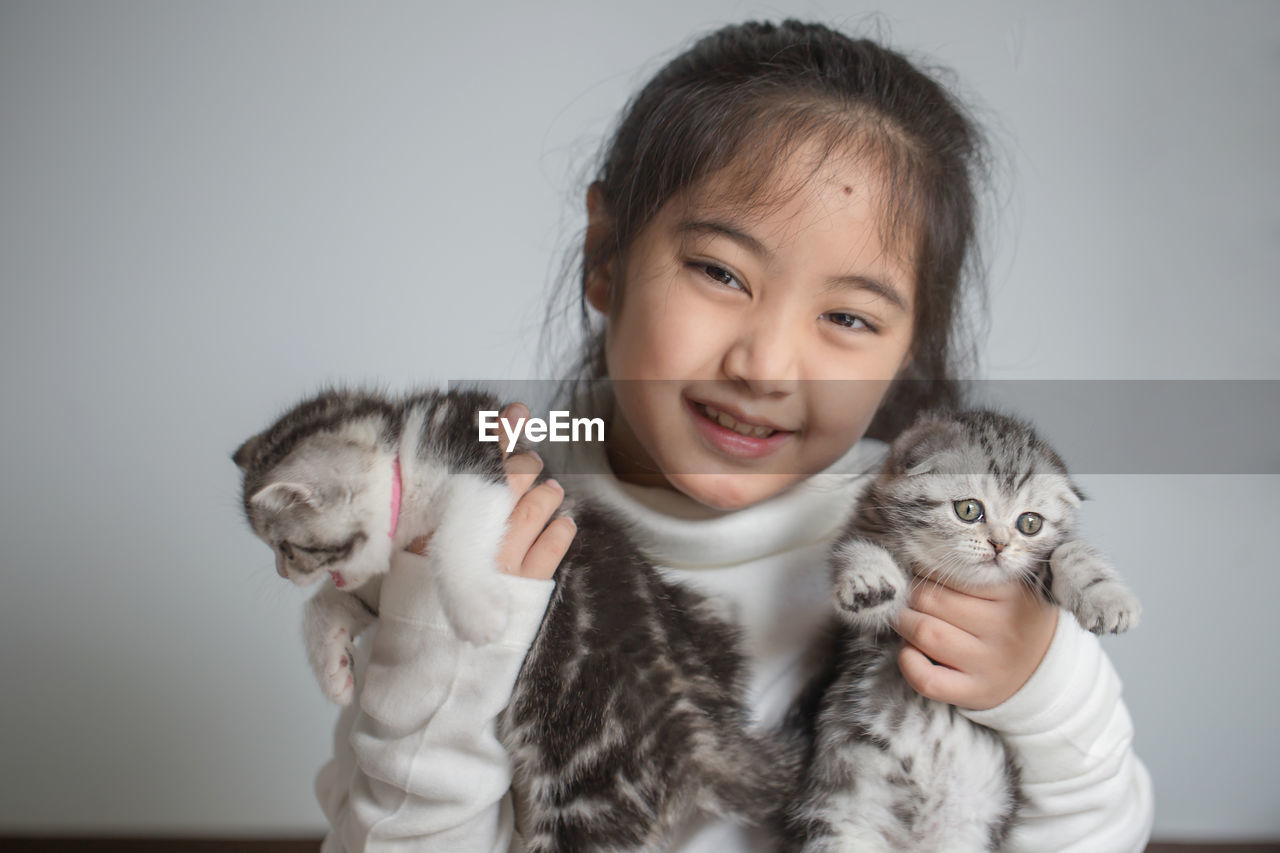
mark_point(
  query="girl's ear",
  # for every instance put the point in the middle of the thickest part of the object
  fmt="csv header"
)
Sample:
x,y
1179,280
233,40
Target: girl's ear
x,y
597,279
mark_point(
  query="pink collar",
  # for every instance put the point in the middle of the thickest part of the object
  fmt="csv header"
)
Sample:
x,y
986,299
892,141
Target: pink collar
x,y
395,496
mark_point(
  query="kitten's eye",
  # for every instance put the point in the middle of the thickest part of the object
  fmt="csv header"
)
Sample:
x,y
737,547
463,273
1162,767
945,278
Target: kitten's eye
x,y
968,510
1030,523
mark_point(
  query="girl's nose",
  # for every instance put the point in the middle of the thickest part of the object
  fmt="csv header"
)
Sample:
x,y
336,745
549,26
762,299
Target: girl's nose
x,y
763,356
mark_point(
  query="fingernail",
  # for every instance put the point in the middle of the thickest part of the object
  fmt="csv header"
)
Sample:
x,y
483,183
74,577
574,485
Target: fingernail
x,y
555,485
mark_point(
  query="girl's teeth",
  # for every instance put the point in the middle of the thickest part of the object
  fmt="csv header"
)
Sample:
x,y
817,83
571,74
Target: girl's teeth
x,y
728,422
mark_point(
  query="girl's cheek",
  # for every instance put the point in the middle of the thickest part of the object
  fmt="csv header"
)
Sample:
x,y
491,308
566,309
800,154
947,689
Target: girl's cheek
x,y
848,405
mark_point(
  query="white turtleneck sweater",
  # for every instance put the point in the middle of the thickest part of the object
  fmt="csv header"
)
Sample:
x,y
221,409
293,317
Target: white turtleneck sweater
x,y
417,765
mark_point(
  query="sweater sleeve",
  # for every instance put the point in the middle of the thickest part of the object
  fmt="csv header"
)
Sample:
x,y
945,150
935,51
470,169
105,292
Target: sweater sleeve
x,y
1085,788
417,763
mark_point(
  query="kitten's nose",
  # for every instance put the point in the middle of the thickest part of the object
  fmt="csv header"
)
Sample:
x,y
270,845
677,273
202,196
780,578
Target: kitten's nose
x,y
999,546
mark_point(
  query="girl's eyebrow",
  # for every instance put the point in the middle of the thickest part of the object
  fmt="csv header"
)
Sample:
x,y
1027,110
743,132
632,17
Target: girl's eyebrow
x,y
709,226
884,290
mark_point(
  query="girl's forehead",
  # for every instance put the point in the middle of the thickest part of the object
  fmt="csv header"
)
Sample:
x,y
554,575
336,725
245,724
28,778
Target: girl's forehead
x,y
799,192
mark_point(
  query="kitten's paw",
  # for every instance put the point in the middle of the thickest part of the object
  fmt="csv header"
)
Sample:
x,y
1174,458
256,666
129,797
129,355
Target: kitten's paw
x,y
338,668
870,587
1085,584
1108,608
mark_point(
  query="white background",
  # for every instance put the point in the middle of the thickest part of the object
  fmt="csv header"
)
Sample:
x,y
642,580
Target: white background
x,y
207,210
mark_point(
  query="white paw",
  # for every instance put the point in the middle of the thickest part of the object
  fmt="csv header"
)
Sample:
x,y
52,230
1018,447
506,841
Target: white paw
x,y
1107,608
338,668
1086,584
870,587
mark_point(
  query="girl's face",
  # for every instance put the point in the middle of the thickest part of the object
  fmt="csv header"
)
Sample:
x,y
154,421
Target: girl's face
x,y
749,351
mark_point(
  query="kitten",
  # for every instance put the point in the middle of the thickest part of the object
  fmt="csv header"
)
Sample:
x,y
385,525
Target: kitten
x,y
628,712
968,499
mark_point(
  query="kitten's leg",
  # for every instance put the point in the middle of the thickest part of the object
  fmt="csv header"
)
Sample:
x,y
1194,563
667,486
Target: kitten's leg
x,y
331,622
870,586
465,546
894,771
1085,584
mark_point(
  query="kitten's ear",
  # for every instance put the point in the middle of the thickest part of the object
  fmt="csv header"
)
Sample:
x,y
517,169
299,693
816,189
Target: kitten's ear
x,y
280,497
917,449
245,452
921,466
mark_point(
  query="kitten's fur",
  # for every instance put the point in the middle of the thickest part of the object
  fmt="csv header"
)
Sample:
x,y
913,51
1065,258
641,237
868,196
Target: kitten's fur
x,y
890,769
628,711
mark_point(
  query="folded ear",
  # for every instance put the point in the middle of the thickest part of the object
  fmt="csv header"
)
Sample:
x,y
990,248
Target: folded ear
x,y
245,452
281,497
917,449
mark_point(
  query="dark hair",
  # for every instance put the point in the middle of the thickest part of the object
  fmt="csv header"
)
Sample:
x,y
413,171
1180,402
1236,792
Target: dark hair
x,y
745,96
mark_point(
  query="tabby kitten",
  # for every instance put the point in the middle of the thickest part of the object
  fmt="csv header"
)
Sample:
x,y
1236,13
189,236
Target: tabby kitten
x,y
968,499
628,712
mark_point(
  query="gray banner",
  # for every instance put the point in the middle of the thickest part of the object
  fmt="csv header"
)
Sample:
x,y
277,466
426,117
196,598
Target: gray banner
x,y
1097,426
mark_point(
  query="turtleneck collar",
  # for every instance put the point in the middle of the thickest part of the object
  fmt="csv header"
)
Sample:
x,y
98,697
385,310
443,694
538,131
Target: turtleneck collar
x,y
679,532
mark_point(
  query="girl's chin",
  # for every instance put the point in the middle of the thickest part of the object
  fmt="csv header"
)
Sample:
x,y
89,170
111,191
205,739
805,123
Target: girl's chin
x,y
726,492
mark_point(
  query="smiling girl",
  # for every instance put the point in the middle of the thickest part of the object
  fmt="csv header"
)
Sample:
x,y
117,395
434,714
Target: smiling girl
x,y
776,247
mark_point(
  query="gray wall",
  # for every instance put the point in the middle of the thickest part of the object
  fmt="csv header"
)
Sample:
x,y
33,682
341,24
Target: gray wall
x,y
207,209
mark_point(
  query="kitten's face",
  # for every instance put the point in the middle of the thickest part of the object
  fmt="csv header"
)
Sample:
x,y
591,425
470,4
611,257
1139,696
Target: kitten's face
x,y
972,521
325,511
975,531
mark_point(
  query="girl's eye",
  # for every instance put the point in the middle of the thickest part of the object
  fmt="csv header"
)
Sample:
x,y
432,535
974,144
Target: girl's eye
x,y
1030,523
969,510
849,321
720,275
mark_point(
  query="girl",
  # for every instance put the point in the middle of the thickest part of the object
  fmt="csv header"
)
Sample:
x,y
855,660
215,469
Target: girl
x,y
776,244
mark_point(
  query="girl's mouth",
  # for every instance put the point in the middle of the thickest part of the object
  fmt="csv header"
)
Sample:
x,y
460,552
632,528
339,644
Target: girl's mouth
x,y
728,421
732,436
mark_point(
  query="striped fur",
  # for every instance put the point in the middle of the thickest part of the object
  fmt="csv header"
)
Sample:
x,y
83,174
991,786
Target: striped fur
x,y
889,769
628,713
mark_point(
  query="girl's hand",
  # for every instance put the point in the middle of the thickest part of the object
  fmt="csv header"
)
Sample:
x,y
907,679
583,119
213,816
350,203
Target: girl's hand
x,y
532,548
984,646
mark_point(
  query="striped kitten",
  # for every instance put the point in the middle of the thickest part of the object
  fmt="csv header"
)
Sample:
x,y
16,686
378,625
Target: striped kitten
x,y
968,499
628,712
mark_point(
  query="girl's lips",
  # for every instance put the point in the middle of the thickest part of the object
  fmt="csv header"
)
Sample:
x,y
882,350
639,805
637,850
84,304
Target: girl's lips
x,y
733,443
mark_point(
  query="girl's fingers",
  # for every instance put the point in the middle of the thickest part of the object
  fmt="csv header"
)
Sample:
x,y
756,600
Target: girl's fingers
x,y
966,611
549,549
522,469
933,681
532,547
526,523
508,417
942,641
